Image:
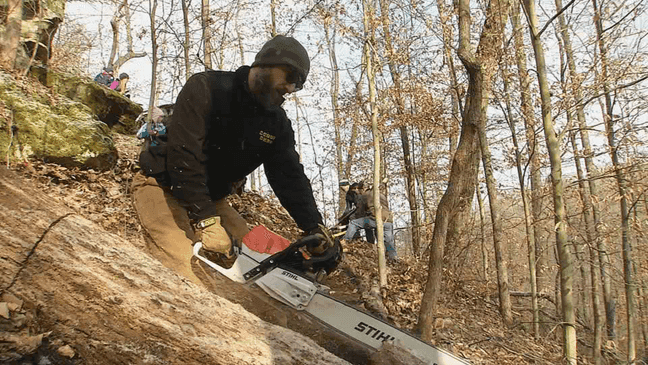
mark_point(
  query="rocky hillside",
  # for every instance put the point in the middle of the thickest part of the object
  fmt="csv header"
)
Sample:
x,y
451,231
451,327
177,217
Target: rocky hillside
x,y
79,287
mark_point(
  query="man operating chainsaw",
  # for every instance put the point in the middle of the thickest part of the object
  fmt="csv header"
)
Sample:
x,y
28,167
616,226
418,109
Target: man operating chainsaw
x,y
224,125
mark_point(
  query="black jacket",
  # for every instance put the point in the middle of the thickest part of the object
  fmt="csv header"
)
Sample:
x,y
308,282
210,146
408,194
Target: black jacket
x,y
217,135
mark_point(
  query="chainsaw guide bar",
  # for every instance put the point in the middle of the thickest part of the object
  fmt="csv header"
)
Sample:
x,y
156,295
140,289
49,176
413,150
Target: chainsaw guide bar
x,y
276,275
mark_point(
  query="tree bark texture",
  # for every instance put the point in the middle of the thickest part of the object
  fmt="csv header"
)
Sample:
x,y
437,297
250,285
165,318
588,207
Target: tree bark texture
x,y
205,17
526,105
10,37
622,188
553,146
465,162
186,43
501,252
154,59
528,218
368,18
404,137
595,274
334,88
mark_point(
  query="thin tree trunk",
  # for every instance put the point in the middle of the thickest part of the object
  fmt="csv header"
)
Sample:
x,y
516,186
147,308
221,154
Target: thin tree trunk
x,y
643,310
421,178
154,60
273,21
130,53
526,104
405,143
528,219
482,230
501,255
582,305
368,18
354,132
602,250
205,17
622,187
456,95
186,44
594,272
553,147
589,195
10,38
465,162
335,87
114,25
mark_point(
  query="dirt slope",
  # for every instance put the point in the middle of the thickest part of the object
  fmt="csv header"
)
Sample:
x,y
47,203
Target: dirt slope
x,y
92,319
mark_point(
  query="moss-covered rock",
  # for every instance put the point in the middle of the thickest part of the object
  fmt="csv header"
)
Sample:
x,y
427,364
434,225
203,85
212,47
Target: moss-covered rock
x,y
54,129
112,108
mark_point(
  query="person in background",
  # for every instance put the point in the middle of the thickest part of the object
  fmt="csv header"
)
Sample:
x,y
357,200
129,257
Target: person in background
x,y
356,207
349,200
224,125
105,78
366,219
120,84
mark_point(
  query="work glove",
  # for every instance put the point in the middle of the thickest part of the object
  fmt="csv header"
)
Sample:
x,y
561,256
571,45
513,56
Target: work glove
x,y
213,236
325,240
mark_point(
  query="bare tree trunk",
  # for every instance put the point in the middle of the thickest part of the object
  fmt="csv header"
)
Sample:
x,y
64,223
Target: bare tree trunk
x,y
10,37
130,53
643,310
457,94
482,230
421,178
458,221
528,219
602,250
461,185
594,272
273,21
589,196
622,187
553,147
368,19
335,87
114,25
206,29
186,44
154,61
354,132
405,144
582,305
526,104
501,255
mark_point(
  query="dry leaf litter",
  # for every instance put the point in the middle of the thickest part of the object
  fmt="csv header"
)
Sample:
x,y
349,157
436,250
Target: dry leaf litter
x,y
467,323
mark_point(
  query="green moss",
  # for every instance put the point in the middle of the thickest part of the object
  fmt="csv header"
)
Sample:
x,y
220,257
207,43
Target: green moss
x,y
66,132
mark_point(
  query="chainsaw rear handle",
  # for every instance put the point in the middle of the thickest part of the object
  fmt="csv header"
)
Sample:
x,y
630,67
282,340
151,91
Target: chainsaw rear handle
x,y
292,256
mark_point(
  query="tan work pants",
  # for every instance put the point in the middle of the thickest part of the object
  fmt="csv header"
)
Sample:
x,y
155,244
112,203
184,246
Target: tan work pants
x,y
169,228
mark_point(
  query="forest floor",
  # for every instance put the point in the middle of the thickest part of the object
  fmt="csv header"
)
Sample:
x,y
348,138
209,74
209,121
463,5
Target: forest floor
x,y
468,323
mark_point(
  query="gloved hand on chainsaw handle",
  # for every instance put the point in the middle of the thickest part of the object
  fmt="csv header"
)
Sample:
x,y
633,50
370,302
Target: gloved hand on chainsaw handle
x,y
325,240
213,236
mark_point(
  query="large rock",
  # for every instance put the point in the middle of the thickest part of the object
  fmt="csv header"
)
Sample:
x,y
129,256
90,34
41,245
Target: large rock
x,y
33,124
76,291
117,111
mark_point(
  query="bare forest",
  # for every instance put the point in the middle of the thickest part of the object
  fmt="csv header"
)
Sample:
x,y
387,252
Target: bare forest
x,y
510,138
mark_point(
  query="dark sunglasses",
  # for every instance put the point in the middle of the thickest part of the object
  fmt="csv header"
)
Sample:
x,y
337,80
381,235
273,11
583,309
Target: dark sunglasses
x,y
294,77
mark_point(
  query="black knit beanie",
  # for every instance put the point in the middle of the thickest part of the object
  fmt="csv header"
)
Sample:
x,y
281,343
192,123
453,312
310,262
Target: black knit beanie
x,y
282,50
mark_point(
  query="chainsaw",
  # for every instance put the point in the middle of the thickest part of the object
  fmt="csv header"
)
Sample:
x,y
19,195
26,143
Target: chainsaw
x,y
287,274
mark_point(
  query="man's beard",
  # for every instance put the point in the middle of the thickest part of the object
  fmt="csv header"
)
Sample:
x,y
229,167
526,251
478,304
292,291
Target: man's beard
x,y
267,95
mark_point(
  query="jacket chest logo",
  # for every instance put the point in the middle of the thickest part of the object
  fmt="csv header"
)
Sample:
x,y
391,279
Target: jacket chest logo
x,y
266,137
